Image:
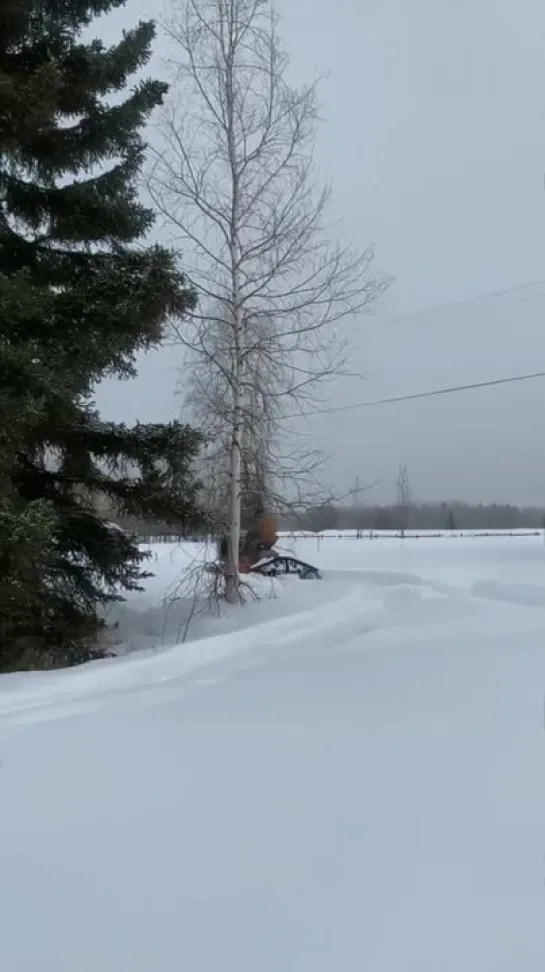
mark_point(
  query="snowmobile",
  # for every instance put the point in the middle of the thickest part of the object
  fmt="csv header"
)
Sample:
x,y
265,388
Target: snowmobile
x,y
260,555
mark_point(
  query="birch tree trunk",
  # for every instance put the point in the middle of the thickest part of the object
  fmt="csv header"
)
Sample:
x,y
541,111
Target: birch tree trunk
x,y
235,465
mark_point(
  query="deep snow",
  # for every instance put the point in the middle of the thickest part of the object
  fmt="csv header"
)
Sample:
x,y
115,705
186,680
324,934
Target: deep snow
x,y
348,774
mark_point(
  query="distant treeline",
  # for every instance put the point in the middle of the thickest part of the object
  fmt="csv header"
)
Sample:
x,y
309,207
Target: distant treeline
x,y
415,516
419,516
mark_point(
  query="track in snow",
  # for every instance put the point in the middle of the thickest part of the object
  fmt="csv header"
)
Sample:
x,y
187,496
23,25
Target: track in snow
x,y
357,785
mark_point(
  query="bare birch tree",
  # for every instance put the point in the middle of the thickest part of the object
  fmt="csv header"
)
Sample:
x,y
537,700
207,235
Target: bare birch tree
x,y
403,499
234,175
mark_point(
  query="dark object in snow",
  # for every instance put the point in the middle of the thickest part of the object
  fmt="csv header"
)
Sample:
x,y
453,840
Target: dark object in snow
x,y
279,564
258,556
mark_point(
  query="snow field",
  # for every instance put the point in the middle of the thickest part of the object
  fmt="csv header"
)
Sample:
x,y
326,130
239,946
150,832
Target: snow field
x,y
346,774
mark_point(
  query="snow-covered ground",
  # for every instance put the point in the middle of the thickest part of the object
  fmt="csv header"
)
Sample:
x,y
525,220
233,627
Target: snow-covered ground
x,y
346,774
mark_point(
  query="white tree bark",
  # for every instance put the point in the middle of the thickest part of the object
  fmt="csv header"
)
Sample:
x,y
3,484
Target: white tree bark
x,y
237,431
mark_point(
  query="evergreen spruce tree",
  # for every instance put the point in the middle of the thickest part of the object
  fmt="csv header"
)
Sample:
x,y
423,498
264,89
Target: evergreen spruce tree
x,y
80,295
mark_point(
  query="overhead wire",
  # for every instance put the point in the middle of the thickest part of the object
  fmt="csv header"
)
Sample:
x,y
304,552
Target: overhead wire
x,y
395,399
464,302
450,390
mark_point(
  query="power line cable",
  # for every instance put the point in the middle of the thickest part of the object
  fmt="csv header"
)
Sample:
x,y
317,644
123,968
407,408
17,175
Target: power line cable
x,y
464,302
417,395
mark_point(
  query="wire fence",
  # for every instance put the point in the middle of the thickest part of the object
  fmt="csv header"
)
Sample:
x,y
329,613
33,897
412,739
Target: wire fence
x,y
173,538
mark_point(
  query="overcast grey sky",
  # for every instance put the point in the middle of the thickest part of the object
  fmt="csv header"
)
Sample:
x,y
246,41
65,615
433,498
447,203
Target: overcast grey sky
x,y
434,137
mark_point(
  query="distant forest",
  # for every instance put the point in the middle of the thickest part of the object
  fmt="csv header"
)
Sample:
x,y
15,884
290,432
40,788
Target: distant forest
x,y
415,516
420,516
